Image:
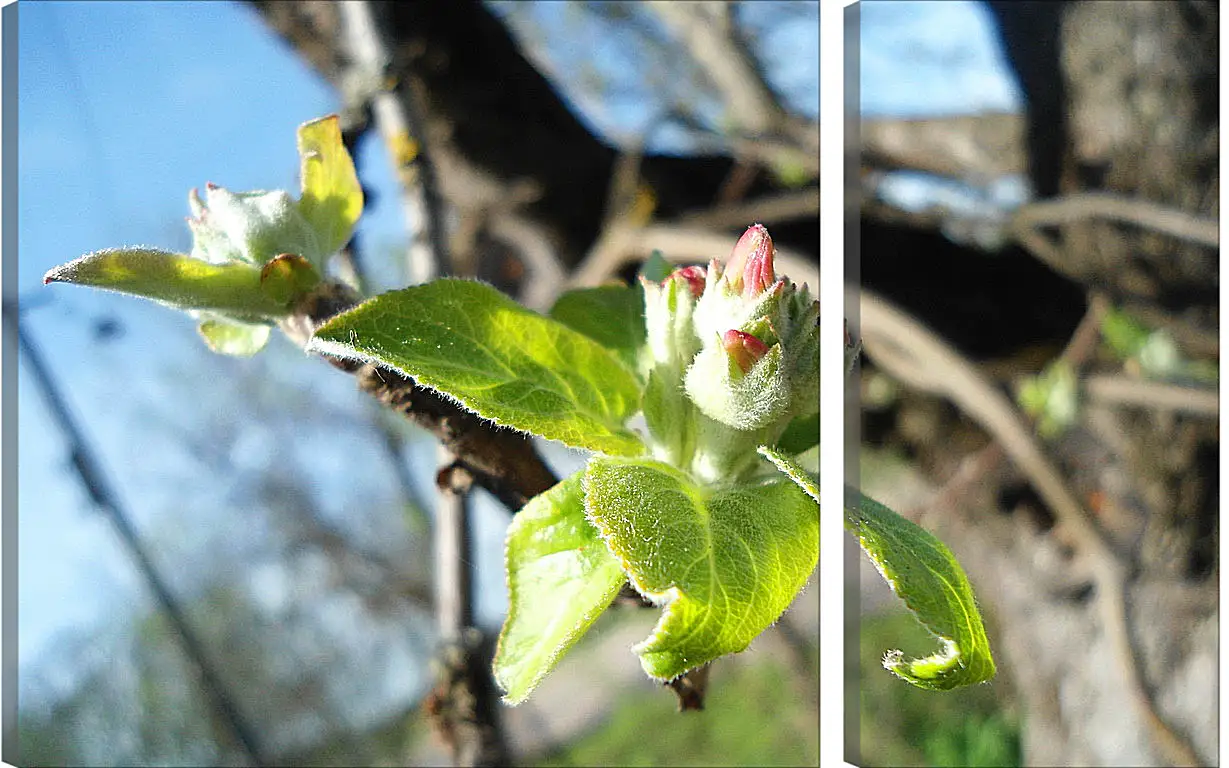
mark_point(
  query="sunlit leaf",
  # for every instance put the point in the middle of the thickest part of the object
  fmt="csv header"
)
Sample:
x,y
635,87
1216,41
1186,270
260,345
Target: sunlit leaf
x,y
175,280
332,198
506,363
922,572
236,339
807,481
724,562
613,316
560,579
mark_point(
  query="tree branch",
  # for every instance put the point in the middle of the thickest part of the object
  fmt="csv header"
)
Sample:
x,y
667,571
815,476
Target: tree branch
x,y
980,147
499,131
1028,221
1121,390
680,244
708,32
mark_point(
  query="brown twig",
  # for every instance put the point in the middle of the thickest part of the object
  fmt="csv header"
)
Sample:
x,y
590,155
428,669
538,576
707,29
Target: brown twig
x,y
1103,205
765,210
1121,390
503,462
679,244
978,147
1029,221
690,688
907,350
468,709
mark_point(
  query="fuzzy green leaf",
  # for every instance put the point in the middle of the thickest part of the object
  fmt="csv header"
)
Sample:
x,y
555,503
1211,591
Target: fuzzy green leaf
x,y
922,571
512,366
801,434
332,199
236,339
807,481
174,279
560,579
613,316
725,562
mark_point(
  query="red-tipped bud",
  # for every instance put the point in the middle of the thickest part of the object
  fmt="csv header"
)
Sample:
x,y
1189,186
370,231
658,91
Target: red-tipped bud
x,y
743,348
694,277
750,269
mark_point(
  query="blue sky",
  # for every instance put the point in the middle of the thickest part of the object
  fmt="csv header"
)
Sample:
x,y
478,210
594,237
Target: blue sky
x,y
124,107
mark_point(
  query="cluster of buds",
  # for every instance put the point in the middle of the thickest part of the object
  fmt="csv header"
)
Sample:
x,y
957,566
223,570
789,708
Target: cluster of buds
x,y
744,346
251,227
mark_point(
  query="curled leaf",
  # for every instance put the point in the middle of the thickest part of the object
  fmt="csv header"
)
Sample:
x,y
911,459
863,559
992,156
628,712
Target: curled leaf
x,y
807,481
922,571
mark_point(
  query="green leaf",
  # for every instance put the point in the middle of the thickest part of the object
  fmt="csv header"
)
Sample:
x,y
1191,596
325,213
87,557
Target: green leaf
x,y
237,339
656,268
1051,398
512,366
560,579
922,571
613,316
801,434
1125,335
332,199
726,562
807,481
174,279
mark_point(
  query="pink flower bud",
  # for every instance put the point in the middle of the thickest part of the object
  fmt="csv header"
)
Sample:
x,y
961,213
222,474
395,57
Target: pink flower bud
x,y
743,348
694,277
750,269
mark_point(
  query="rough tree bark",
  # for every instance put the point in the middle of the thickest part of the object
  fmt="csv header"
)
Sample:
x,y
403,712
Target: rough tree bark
x,y
1121,98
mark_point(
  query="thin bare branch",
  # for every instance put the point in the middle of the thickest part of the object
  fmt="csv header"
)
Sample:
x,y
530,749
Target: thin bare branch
x,y
979,147
680,244
546,275
1103,205
786,206
1122,390
706,30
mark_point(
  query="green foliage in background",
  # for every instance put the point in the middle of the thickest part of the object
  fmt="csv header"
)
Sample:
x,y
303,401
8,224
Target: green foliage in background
x,y
755,714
